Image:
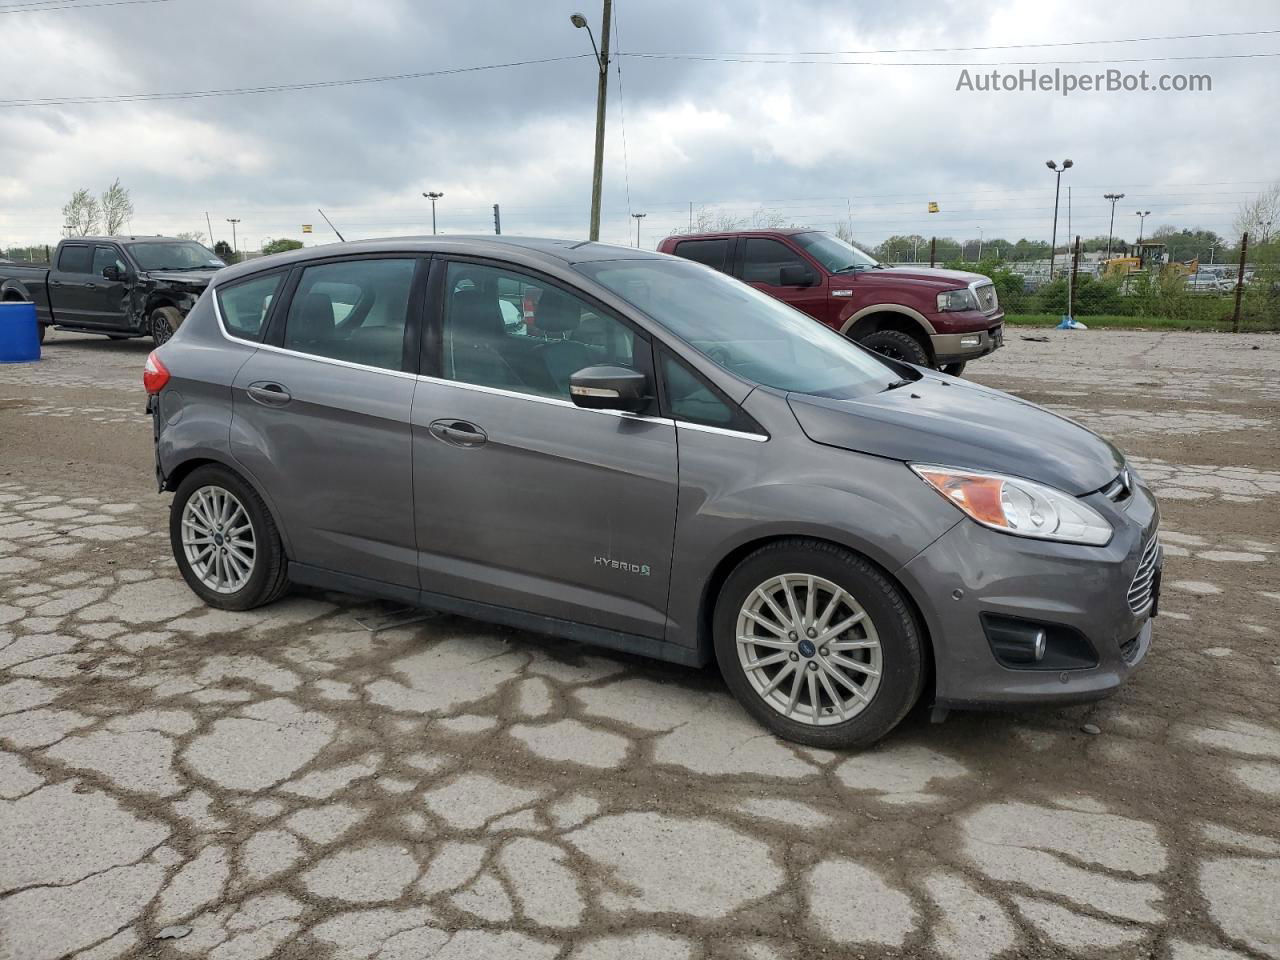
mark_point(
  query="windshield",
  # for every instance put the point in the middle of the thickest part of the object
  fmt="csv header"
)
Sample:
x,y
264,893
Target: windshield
x,y
835,254
744,331
186,255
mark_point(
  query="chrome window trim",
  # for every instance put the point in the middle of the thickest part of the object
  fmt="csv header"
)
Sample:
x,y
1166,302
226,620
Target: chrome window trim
x,y
332,361
538,398
721,431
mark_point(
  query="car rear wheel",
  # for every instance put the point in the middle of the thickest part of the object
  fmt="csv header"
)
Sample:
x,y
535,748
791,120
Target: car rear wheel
x,y
225,542
954,369
164,323
818,645
897,345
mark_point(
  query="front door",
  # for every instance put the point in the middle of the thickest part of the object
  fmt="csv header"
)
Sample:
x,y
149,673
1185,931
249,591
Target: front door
x,y
763,261
105,299
524,500
322,412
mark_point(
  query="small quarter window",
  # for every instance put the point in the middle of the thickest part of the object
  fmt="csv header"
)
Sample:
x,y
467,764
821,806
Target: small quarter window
x,y
245,305
691,399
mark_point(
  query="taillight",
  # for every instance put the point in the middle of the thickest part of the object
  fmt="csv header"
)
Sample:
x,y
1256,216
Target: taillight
x,y
155,375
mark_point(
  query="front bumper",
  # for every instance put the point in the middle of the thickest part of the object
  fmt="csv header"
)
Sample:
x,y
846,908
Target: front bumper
x,y
969,345
972,570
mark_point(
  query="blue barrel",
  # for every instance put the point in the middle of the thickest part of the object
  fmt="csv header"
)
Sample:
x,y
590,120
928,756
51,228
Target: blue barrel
x,y
19,333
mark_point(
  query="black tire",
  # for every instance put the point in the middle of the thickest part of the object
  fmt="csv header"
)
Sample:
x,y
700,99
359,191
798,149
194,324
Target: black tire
x,y
897,345
953,369
163,323
269,578
902,656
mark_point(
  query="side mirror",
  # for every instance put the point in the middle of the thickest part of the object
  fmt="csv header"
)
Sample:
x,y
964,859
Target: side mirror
x,y
610,388
112,272
795,275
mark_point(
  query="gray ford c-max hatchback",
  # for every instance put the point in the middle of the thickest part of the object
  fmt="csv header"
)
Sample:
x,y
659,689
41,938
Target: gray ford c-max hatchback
x,y
637,451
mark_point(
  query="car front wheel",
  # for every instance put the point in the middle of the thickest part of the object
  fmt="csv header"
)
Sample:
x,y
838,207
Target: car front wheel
x,y
818,645
897,345
164,322
225,542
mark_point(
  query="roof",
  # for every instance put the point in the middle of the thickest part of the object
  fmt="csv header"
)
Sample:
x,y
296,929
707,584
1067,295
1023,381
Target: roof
x,y
524,249
761,232
117,239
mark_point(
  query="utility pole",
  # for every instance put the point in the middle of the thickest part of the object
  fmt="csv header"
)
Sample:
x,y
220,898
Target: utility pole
x,y
1235,316
1057,189
691,216
497,220
209,223
933,251
433,196
638,217
602,91
1071,287
234,249
979,244
1113,197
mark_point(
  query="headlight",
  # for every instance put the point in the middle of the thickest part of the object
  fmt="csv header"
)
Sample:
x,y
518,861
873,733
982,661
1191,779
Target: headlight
x,y
1017,506
952,300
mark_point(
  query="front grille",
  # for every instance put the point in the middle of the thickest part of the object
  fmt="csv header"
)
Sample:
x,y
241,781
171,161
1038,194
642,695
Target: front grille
x,y
1144,578
987,299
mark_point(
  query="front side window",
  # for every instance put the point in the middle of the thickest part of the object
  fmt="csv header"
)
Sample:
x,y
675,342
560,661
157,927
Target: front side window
x,y
104,257
355,311
711,253
244,306
76,259
743,330
534,347
763,260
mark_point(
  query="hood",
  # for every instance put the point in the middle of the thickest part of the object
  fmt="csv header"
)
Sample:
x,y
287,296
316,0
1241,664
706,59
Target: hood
x,y
939,279
195,278
954,423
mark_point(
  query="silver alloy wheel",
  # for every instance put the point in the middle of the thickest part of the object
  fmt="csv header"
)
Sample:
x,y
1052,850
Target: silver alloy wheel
x,y
218,539
809,649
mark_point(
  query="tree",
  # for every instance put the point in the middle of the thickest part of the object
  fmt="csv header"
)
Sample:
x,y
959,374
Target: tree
x,y
196,235
117,208
1260,216
224,251
81,214
281,245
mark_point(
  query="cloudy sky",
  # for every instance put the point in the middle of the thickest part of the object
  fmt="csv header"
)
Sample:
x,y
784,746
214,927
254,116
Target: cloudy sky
x,y
866,142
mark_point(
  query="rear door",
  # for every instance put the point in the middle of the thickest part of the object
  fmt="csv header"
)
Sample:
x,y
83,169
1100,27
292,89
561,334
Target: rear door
x,y
524,500
322,409
761,261
70,284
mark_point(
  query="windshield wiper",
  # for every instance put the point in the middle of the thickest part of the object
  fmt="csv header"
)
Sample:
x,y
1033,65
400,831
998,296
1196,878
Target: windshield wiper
x,y
896,384
846,269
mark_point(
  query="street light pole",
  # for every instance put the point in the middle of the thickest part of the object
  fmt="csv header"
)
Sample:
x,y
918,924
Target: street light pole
x,y
638,217
1113,197
602,91
979,244
1142,221
1053,242
235,250
433,196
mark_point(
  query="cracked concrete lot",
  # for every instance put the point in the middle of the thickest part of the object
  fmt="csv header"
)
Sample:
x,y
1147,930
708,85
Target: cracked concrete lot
x,y
283,783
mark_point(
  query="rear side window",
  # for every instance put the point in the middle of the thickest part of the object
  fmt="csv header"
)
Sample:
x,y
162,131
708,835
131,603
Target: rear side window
x,y
355,311
709,252
245,305
76,259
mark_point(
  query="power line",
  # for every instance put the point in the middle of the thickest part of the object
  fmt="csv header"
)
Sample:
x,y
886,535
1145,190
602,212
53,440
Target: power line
x,y
1007,46
50,7
943,63
273,88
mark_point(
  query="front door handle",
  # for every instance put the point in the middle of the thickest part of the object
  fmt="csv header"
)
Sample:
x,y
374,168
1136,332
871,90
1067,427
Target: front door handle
x,y
458,433
269,394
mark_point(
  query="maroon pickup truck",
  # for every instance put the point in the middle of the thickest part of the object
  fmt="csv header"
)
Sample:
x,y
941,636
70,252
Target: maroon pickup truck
x,y
933,318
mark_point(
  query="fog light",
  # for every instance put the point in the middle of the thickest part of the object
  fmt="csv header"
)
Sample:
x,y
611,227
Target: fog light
x,y
1020,643
970,341
1028,645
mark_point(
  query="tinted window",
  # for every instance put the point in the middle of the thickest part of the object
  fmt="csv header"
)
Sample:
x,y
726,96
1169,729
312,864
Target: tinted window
x,y
710,252
174,255
353,311
742,329
558,335
245,305
690,399
837,255
763,260
105,257
76,260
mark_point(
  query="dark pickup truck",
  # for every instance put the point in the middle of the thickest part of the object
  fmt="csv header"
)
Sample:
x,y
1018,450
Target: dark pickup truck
x,y
117,286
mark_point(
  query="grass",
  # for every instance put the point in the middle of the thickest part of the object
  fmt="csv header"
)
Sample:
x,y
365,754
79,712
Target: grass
x,y
1114,322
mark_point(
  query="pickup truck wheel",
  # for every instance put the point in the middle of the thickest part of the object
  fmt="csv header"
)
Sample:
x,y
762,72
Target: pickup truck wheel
x,y
164,322
954,369
897,345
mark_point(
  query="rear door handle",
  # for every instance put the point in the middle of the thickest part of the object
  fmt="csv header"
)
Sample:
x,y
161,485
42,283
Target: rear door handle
x,y
458,433
268,394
